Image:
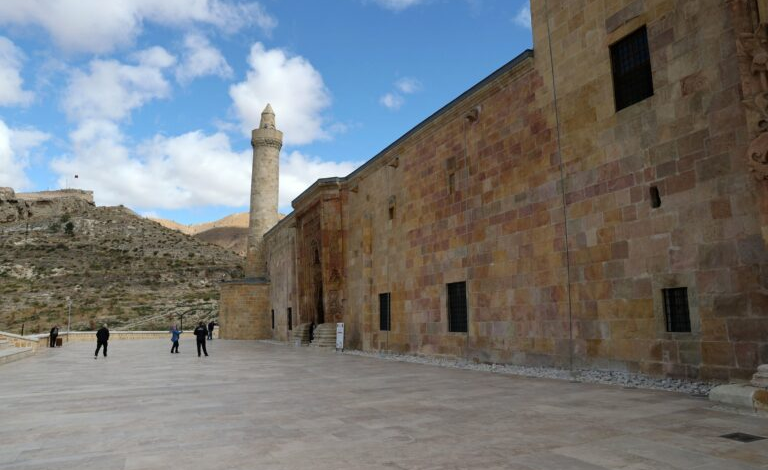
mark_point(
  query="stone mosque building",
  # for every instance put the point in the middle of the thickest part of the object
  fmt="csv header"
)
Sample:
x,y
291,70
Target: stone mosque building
x,y
598,202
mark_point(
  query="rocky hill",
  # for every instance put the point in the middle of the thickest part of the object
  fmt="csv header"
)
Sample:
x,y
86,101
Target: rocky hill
x,y
230,232
117,267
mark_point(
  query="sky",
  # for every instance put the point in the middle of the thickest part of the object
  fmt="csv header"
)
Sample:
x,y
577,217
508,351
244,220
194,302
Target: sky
x,y
150,103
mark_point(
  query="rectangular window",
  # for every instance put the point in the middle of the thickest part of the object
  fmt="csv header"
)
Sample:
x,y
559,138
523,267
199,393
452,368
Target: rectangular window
x,y
677,316
385,318
273,319
290,319
631,67
457,307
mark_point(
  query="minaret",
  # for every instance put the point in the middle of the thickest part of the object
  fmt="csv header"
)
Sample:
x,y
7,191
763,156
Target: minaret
x,y
266,142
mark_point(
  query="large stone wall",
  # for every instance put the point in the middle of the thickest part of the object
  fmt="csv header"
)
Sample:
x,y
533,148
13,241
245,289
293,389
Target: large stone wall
x,y
542,206
282,293
688,140
244,310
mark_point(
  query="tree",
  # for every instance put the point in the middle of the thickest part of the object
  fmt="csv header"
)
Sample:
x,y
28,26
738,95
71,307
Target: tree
x,y
69,229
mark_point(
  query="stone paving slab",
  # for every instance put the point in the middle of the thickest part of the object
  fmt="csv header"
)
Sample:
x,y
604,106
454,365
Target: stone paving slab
x,y
257,405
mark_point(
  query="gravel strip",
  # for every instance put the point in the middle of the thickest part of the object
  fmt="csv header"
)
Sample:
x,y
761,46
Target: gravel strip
x,y
624,379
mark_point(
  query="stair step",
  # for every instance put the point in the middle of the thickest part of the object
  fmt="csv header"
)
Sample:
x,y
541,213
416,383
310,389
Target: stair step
x,y
14,354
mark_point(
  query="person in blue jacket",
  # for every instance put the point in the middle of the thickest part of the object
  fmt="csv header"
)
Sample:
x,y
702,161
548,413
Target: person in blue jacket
x,y
175,333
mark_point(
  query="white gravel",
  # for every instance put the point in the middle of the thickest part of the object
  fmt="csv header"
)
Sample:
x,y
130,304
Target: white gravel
x,y
624,379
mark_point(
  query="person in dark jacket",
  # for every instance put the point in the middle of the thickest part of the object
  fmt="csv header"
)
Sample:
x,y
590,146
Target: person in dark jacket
x,y
175,333
102,337
211,325
201,332
54,335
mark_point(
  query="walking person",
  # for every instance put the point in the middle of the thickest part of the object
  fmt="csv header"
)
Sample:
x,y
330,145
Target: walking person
x,y
54,335
102,337
211,325
175,333
201,332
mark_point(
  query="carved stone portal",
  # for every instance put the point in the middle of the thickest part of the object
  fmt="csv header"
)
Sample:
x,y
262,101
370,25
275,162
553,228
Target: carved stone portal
x,y
754,48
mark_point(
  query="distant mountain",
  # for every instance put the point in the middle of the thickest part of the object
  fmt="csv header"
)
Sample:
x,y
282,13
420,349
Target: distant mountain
x,y
235,220
231,238
230,232
116,267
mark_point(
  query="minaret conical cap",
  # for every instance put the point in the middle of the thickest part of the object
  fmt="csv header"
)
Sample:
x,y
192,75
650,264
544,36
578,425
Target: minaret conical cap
x,y
267,118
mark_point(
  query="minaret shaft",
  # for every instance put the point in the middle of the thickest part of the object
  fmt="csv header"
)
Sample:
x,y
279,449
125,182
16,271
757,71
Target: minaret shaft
x,y
266,142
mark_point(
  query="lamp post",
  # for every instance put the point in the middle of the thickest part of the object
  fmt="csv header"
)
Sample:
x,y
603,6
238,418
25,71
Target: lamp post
x,y
69,317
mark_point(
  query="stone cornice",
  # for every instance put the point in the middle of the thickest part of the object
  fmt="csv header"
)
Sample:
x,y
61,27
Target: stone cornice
x,y
266,142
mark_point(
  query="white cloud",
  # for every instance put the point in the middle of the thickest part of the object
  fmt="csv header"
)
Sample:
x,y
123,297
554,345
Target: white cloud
x,y
294,88
299,171
392,101
523,16
408,85
15,147
99,26
398,5
110,89
200,59
189,170
11,59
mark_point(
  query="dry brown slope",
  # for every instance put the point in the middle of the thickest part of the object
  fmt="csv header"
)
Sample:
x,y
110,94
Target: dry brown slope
x,y
235,220
115,265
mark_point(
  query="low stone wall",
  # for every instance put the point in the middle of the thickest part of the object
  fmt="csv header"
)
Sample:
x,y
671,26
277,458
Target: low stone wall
x,y
21,341
77,336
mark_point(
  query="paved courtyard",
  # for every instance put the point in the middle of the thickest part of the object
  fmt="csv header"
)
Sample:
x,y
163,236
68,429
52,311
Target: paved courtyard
x,y
267,406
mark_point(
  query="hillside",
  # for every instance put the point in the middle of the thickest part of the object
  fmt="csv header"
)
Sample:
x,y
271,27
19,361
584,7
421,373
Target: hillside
x,y
234,220
231,238
116,266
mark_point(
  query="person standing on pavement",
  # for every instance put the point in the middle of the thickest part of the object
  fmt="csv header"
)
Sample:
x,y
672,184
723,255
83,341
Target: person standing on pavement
x,y
54,335
102,337
175,333
201,332
211,325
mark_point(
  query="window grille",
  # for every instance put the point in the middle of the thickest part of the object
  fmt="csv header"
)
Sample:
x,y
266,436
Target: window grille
x,y
457,307
631,66
676,311
290,319
385,317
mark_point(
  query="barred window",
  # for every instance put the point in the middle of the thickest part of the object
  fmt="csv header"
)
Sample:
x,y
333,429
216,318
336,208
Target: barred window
x,y
457,307
631,66
385,318
676,313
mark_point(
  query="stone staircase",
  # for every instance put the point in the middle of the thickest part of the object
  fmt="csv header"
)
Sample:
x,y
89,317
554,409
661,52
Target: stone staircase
x,y
301,334
324,335
10,353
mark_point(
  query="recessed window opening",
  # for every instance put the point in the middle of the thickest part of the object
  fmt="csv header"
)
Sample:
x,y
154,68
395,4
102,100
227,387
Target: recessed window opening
x,y
385,318
451,183
392,213
290,319
655,197
631,67
457,307
273,319
676,313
